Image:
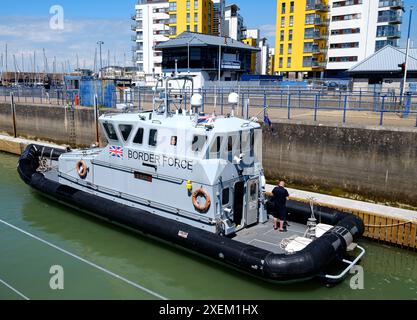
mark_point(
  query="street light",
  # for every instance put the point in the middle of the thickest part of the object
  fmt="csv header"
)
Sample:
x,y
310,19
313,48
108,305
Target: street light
x,y
406,56
100,43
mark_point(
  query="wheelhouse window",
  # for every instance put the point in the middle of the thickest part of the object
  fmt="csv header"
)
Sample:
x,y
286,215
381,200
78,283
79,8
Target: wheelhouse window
x,y
230,144
153,137
226,196
198,143
245,141
174,141
125,130
110,131
138,137
216,148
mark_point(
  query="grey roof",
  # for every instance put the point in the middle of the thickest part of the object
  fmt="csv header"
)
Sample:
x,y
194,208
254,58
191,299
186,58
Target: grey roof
x,y
202,40
386,60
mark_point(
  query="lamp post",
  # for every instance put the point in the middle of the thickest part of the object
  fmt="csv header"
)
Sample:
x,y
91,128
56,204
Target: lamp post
x,y
100,43
406,57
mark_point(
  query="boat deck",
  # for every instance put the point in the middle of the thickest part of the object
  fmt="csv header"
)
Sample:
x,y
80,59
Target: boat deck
x,y
264,236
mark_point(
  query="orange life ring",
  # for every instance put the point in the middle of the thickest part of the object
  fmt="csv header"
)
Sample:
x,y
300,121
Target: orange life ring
x,y
203,208
82,169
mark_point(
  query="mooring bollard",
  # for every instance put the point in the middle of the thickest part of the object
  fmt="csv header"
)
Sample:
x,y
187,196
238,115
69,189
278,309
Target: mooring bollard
x,y
289,107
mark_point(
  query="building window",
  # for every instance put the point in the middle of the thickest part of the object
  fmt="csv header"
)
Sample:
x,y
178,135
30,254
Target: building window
x,y
307,62
346,17
172,6
281,49
289,62
345,45
292,7
309,33
195,28
343,59
346,3
188,4
172,18
188,17
345,31
282,22
282,35
310,4
172,31
289,48
283,8
291,21
308,47
195,4
379,44
310,18
290,35
281,62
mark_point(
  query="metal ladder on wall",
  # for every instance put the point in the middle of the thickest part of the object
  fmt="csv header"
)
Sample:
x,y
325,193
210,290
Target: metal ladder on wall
x,y
72,135
72,138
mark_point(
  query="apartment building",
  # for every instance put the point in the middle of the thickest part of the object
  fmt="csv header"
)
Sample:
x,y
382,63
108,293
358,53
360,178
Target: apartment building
x,y
234,26
190,16
150,27
359,28
302,35
260,60
219,7
271,64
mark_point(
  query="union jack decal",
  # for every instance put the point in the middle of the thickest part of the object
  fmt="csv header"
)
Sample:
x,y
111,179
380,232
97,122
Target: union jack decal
x,y
116,152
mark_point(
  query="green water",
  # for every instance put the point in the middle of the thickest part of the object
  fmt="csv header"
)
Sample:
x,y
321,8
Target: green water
x,y
390,273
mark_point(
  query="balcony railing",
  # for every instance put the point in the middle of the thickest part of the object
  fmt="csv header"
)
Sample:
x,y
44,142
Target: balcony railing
x,y
389,34
320,36
319,51
397,4
322,7
137,48
391,18
318,65
321,22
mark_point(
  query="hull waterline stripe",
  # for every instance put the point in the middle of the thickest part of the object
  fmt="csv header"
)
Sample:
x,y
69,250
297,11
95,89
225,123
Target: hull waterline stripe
x,y
138,286
14,290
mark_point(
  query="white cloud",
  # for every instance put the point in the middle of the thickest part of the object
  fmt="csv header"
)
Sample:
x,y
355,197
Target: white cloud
x,y
268,31
24,35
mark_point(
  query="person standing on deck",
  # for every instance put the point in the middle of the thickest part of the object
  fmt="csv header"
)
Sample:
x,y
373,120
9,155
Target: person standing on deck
x,y
279,200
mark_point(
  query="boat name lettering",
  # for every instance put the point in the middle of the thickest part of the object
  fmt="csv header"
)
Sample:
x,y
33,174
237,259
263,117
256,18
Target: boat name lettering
x,y
160,160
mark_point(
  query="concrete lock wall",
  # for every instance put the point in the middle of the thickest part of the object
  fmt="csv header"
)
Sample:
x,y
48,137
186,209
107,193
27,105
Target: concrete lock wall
x,y
49,123
374,163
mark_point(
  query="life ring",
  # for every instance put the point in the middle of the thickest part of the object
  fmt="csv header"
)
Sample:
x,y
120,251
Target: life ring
x,y
82,169
203,208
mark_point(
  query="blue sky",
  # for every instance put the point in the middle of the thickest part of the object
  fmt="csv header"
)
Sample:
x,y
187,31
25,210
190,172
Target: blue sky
x,y
24,26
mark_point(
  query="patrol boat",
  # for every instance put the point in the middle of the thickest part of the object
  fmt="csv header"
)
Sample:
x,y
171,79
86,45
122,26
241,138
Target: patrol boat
x,y
194,180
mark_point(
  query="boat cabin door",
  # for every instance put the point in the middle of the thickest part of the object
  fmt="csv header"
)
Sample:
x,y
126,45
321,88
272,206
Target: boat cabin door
x,y
252,203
